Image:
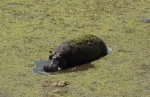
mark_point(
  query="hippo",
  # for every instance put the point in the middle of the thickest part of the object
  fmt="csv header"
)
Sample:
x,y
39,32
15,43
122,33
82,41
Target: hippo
x,y
74,52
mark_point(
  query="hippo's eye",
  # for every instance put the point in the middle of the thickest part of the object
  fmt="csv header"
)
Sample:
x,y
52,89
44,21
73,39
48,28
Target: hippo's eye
x,y
55,60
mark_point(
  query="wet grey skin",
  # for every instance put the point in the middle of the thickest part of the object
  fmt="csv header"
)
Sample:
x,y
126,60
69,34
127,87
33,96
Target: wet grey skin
x,y
53,65
76,52
50,67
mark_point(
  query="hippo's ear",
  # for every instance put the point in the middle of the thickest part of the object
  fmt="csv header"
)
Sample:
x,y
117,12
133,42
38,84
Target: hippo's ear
x,y
50,51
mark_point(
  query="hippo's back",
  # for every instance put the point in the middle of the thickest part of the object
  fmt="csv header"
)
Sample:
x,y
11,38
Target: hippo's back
x,y
86,49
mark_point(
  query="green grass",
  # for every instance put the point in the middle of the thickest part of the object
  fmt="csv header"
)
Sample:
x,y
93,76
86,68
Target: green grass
x,y
29,29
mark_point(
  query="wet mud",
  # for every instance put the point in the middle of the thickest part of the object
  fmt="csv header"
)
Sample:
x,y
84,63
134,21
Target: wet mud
x,y
38,69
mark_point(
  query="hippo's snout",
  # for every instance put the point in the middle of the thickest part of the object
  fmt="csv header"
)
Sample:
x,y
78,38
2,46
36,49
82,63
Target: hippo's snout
x,y
50,68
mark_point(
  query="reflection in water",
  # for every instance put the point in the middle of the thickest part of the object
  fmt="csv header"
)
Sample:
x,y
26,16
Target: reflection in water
x,y
40,63
39,66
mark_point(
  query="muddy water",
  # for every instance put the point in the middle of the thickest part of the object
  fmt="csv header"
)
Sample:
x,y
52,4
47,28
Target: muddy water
x,y
40,63
38,66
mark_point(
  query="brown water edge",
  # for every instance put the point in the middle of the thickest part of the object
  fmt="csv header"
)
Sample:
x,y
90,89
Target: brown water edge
x,y
40,63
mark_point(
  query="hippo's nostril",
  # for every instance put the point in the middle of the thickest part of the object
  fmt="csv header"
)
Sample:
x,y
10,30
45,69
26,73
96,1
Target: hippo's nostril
x,y
46,68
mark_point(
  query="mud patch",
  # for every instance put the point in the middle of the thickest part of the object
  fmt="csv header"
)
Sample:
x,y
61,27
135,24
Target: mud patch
x,y
39,67
40,63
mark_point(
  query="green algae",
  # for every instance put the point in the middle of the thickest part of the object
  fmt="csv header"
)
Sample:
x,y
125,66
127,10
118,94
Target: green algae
x,y
29,28
85,39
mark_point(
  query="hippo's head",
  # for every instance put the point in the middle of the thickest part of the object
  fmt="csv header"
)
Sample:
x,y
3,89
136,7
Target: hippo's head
x,y
56,62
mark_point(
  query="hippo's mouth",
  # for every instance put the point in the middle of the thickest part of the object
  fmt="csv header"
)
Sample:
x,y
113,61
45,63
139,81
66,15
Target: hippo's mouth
x,y
51,68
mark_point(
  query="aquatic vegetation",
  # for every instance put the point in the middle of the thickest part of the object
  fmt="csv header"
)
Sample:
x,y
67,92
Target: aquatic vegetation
x,y
29,28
